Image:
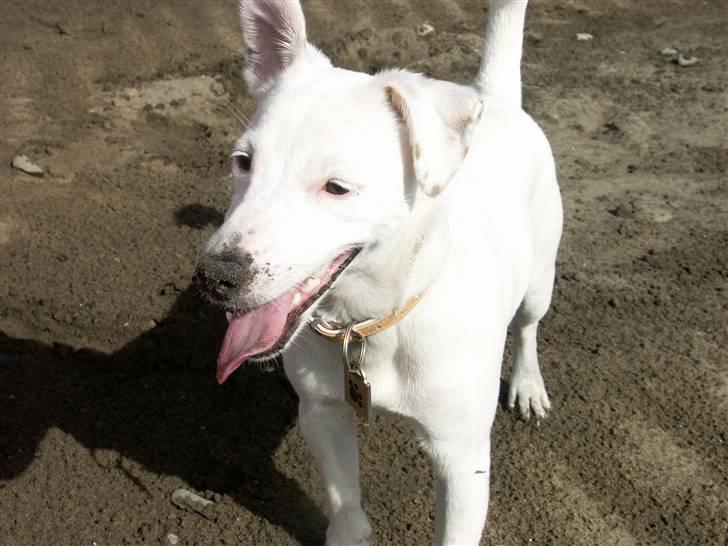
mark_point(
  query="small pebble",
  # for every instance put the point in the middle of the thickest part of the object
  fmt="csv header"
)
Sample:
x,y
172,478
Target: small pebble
x,y
624,210
172,538
534,37
22,163
130,93
424,29
217,88
188,500
668,52
5,230
686,61
584,36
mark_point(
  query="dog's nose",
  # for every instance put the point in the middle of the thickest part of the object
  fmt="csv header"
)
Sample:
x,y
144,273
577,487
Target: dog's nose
x,y
224,275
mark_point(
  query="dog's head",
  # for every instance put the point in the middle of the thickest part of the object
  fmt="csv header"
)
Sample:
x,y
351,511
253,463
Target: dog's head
x,y
328,169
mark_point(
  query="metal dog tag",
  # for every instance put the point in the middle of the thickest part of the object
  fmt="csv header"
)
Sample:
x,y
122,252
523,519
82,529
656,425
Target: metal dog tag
x,y
357,390
358,393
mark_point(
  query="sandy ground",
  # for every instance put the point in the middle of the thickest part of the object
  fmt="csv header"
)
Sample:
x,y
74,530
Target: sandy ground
x,y
108,400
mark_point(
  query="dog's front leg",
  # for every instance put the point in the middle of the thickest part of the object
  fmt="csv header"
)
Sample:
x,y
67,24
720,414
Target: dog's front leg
x,y
462,470
454,426
329,429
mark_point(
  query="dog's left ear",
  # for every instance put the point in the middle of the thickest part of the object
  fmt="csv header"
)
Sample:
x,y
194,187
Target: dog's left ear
x,y
438,117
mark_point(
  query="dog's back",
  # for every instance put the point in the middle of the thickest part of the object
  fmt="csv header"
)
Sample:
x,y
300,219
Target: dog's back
x,y
504,201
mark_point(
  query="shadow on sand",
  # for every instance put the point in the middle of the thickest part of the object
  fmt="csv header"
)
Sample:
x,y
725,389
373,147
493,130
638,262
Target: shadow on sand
x,y
156,401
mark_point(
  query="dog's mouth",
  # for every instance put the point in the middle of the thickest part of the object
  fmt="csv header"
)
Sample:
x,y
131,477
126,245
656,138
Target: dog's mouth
x,y
263,332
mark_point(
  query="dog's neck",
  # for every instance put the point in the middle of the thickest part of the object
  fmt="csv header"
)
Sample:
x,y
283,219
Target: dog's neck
x,y
386,276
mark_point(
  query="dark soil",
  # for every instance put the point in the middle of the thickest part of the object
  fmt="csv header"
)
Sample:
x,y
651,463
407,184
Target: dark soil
x,y
108,400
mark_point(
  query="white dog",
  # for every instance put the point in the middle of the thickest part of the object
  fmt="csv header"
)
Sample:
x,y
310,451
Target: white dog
x,y
426,209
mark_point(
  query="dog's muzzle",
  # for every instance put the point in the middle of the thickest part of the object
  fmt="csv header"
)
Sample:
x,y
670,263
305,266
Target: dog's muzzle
x,y
226,275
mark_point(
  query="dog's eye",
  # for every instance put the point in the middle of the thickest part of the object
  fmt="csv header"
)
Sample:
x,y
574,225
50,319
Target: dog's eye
x,y
334,188
242,161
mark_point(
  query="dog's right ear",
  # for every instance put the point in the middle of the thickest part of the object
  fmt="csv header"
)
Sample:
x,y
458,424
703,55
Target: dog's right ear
x,y
274,32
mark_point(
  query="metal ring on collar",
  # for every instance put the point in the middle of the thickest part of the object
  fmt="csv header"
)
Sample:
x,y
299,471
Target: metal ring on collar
x,y
350,334
328,328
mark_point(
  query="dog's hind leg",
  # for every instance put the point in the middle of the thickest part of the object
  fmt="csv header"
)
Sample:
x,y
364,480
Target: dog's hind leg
x,y
329,429
527,388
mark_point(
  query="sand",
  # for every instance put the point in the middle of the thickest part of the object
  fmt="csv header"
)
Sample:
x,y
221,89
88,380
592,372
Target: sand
x,y
108,400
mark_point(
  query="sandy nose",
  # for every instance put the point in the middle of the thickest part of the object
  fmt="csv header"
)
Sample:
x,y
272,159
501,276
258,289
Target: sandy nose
x,y
225,275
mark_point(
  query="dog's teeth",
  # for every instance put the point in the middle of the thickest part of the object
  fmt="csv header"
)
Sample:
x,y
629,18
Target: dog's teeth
x,y
311,284
297,298
229,315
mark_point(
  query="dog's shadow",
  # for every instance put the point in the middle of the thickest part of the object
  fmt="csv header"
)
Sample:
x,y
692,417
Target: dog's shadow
x,y
156,401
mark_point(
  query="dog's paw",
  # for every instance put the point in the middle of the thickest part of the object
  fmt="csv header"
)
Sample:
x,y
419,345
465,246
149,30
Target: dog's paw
x,y
349,527
528,392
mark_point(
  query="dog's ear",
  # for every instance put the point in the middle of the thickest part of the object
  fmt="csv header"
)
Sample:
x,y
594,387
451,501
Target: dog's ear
x,y
438,117
274,32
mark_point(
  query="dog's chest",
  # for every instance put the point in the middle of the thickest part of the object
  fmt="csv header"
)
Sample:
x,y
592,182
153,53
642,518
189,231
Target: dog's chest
x,y
391,368
395,361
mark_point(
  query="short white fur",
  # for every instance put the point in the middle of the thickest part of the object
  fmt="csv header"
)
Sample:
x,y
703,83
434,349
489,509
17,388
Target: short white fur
x,y
453,191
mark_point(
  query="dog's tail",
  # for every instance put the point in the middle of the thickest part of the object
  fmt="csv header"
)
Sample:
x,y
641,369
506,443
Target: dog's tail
x,y
500,71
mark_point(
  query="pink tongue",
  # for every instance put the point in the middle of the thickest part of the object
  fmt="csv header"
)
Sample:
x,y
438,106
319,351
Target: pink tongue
x,y
252,333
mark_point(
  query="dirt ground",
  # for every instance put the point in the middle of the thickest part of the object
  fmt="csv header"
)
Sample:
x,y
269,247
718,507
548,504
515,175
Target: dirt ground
x,y
108,400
